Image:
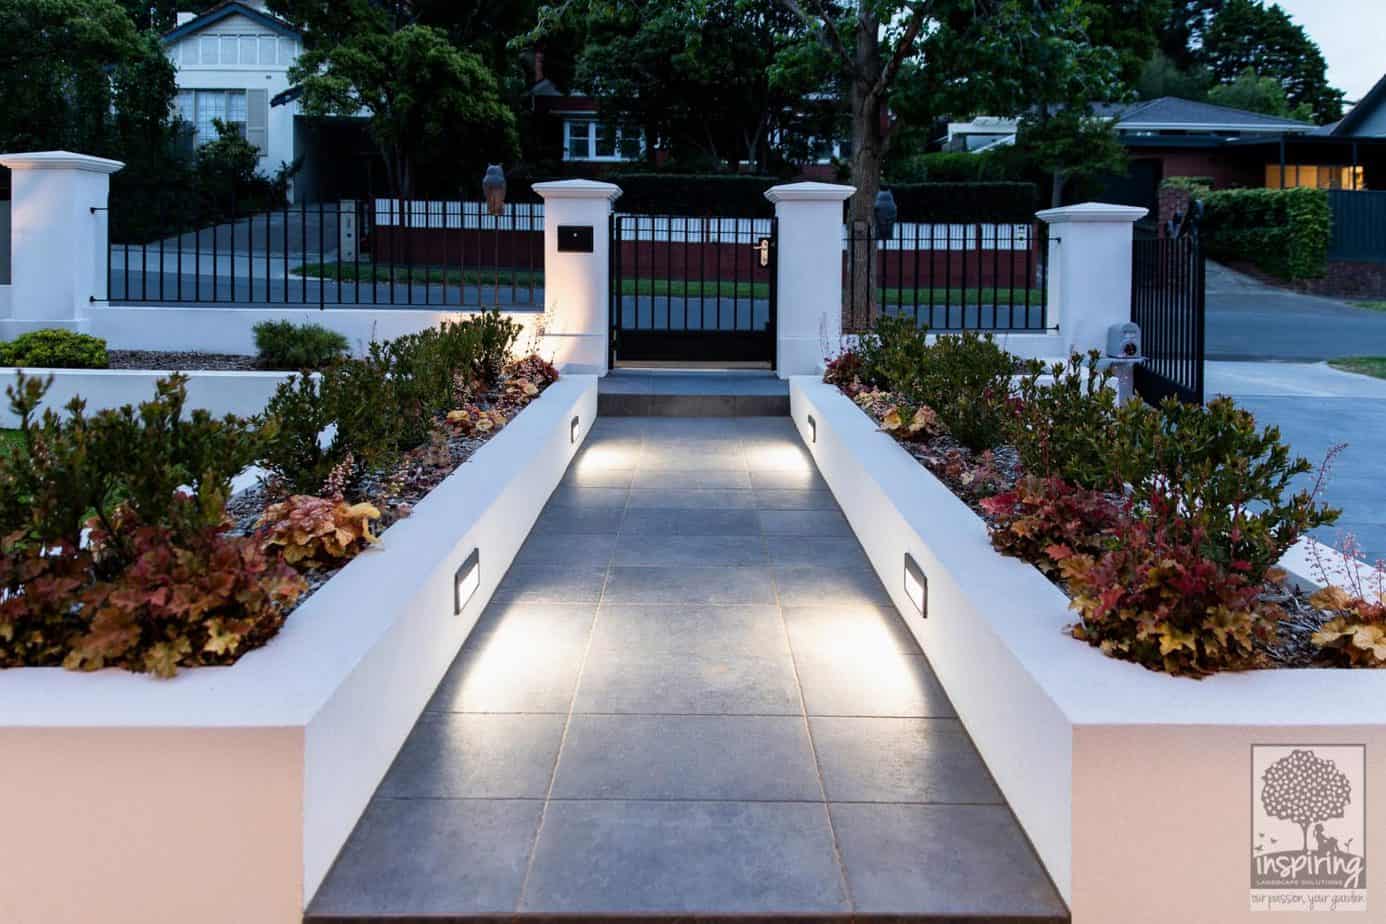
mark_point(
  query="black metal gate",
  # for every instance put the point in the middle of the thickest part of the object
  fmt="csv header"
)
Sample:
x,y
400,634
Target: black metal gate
x,y
1167,302
686,289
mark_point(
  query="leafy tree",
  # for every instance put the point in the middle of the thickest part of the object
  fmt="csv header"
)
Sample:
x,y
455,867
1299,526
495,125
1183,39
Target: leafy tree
x,y
1131,28
426,99
1181,39
1244,34
1071,144
1258,94
1160,76
162,15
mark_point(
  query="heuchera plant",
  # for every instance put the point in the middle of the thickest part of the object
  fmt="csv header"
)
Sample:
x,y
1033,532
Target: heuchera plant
x,y
1047,520
310,532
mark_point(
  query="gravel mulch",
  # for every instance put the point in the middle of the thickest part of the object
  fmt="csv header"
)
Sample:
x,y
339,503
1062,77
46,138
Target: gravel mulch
x,y
172,361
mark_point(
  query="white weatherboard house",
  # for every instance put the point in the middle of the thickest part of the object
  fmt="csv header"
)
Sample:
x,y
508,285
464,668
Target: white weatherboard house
x,y
232,60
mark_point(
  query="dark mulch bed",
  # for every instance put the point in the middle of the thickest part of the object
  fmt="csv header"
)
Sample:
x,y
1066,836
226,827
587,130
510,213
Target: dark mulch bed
x,y
176,361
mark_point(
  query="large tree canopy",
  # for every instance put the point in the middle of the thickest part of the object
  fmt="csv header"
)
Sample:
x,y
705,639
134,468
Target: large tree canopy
x,y
427,102
1247,35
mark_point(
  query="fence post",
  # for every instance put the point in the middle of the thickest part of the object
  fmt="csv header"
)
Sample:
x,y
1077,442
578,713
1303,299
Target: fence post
x,y
577,280
1089,276
58,238
809,273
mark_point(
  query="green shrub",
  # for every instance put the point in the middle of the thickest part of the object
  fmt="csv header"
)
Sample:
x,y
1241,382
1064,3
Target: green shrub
x,y
285,345
1285,232
298,456
1235,476
966,379
55,349
1066,428
496,336
966,201
892,354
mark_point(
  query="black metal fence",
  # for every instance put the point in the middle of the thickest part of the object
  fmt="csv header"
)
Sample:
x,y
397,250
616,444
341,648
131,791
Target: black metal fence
x,y
693,289
1359,225
389,252
955,276
1168,303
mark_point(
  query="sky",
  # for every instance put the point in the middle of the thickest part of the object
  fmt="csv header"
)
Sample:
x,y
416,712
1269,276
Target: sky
x,y
1350,32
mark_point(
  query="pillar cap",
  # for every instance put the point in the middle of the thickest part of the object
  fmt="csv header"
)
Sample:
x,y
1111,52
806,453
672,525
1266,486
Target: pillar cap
x,y
809,192
1093,212
60,160
577,189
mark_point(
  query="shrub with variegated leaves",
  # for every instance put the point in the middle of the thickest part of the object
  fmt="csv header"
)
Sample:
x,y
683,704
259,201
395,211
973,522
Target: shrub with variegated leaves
x,y
1045,520
311,532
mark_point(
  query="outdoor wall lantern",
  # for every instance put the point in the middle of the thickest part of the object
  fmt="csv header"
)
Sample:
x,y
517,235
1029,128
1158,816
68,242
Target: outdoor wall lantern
x,y
466,581
885,215
813,429
573,430
493,185
916,585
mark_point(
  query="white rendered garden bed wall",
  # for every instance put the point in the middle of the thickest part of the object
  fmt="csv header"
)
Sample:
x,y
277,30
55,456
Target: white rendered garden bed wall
x,y
223,795
221,393
1134,787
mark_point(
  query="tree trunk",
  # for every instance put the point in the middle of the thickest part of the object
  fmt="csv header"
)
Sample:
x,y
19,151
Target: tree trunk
x,y
868,151
1056,189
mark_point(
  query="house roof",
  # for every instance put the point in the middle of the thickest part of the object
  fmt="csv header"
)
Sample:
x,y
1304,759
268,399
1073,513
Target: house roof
x,y
224,11
1171,112
1375,98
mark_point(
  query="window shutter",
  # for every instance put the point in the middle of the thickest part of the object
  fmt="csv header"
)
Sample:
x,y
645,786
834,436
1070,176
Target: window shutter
x,y
257,119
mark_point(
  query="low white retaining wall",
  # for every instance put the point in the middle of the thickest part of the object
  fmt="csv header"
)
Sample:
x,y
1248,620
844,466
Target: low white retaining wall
x,y
229,330
1134,787
221,393
222,796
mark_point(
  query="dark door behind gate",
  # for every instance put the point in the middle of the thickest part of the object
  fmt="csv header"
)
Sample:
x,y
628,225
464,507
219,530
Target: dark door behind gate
x,y
1167,302
686,289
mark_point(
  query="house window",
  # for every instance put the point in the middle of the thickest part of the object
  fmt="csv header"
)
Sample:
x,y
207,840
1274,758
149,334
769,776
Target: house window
x,y
1315,177
202,108
588,139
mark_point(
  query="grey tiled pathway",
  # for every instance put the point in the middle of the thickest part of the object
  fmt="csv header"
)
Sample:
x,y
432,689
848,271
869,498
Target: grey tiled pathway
x,y
690,695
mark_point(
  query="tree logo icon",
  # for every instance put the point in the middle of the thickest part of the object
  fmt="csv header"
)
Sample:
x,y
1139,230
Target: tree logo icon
x,y
1308,839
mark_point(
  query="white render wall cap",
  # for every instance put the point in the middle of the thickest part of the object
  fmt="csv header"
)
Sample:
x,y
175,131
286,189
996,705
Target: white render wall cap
x,y
578,189
1093,211
60,160
809,192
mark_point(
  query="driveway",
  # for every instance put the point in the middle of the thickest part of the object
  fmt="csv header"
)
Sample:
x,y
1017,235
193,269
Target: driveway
x,y
1317,407
1249,320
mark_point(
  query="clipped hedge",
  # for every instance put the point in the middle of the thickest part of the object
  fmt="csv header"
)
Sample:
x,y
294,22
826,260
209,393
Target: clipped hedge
x,y
1007,201
55,349
1285,232
724,195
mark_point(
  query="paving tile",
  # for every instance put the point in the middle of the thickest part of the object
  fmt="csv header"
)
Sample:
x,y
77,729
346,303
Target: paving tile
x,y
663,429
772,426
796,500
705,630
462,755
689,551
966,860
727,857
552,584
690,521
912,760
654,498
689,585
604,427
578,521
864,630
804,523
761,405
716,406
777,455
605,455
545,548
431,856
611,405
686,684
596,476
695,479
588,497
823,551
807,585
722,457
687,757
787,479
851,681
519,658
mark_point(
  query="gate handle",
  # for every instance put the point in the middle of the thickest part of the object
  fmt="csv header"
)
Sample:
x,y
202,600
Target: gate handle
x,y
763,248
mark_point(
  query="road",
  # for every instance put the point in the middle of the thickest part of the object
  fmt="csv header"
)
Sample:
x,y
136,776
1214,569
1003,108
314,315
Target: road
x,y
1249,320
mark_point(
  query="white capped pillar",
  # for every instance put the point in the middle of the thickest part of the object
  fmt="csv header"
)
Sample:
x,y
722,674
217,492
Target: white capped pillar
x,y
577,280
58,238
809,280
1089,276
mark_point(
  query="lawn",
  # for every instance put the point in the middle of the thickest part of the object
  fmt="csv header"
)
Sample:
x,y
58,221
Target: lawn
x,y
678,288
1374,366
1372,304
